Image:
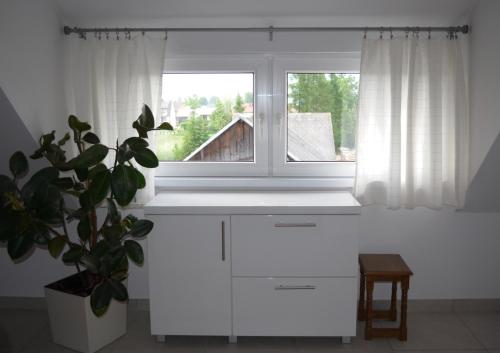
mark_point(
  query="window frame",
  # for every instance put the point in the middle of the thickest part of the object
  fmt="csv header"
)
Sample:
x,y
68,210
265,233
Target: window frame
x,y
270,109
199,64
306,63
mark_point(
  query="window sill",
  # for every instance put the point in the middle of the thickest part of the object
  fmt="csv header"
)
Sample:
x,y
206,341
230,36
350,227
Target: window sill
x,y
253,183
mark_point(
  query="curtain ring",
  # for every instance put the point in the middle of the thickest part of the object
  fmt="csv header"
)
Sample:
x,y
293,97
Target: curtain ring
x,y
117,35
390,30
381,32
407,32
429,33
106,33
166,35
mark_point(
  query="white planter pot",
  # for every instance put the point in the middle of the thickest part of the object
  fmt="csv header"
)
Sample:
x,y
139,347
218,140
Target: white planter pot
x,y
74,325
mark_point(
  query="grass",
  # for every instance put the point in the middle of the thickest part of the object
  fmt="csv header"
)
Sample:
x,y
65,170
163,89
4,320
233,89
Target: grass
x,y
165,143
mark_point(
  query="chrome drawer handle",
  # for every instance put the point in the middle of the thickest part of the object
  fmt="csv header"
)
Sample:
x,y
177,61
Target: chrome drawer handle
x,y
295,225
223,240
282,287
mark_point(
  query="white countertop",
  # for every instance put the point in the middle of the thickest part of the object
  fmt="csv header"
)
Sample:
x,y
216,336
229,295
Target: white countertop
x,y
261,202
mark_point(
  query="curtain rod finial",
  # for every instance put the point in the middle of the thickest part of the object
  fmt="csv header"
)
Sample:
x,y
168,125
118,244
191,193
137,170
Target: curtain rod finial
x,y
464,29
67,30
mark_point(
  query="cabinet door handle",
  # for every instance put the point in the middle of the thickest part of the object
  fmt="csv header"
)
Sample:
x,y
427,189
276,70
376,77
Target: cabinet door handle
x,y
295,225
283,287
223,236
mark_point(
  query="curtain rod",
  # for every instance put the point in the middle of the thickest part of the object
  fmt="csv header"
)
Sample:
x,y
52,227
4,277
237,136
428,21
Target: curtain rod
x,y
82,31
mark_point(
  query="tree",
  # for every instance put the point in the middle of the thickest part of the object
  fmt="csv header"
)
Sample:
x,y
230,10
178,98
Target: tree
x,y
193,102
195,133
248,97
220,117
238,105
333,93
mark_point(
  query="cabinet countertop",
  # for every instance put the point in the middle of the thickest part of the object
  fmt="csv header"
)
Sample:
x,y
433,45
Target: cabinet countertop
x,y
282,202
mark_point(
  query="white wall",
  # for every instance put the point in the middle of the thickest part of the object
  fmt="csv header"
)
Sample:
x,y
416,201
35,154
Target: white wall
x,y
31,61
453,254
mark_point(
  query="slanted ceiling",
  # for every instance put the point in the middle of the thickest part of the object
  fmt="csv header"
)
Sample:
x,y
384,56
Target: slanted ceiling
x,y
426,12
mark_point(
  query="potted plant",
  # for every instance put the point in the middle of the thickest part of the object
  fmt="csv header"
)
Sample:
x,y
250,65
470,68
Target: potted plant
x,y
86,310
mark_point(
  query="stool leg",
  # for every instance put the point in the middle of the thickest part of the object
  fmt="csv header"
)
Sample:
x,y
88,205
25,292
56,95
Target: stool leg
x,y
393,310
369,308
405,284
361,303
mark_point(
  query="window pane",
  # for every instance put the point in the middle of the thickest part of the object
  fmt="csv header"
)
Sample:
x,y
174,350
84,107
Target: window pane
x,y
321,117
212,116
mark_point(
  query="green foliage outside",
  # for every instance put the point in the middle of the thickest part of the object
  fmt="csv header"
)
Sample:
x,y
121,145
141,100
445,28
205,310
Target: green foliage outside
x,y
238,106
333,93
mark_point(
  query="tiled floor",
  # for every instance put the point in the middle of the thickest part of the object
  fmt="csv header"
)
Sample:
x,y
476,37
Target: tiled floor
x,y
27,331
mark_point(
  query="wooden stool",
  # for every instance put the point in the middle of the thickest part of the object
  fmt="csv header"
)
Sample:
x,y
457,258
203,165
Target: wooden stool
x,y
383,268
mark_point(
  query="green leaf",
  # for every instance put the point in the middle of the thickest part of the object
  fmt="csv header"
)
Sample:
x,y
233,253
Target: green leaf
x,y
99,186
77,125
63,183
146,119
134,251
47,139
85,202
91,138
82,173
141,228
118,290
165,126
136,142
123,184
83,228
141,180
146,158
89,157
73,255
100,298
100,249
141,130
56,245
90,262
113,214
18,165
124,154
65,139
97,169
19,246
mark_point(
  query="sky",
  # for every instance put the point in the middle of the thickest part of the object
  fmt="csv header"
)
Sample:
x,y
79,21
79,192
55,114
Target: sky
x,y
206,85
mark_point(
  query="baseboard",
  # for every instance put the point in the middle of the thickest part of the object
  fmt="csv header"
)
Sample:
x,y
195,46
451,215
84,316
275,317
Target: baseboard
x,y
414,306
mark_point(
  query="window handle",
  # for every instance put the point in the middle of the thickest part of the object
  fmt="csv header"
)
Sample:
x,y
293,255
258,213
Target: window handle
x,y
261,123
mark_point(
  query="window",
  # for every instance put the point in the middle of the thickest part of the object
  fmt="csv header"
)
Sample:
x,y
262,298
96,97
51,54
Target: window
x,y
212,116
260,115
321,117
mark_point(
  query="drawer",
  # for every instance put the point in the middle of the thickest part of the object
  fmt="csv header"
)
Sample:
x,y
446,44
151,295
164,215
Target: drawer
x,y
294,306
294,245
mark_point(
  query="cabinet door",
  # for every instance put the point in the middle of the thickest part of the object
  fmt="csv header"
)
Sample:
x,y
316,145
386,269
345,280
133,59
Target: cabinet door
x,y
190,275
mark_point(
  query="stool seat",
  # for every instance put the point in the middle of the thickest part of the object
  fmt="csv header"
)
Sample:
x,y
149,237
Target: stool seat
x,y
383,268
383,265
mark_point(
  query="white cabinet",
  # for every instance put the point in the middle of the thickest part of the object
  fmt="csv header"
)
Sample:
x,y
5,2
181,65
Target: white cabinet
x,y
190,275
247,264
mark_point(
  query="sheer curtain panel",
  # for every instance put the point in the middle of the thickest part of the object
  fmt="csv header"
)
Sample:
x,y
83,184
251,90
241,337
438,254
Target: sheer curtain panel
x,y
107,83
413,128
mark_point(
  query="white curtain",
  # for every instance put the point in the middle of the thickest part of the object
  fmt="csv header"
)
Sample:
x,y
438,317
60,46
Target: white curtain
x,y
413,128
107,83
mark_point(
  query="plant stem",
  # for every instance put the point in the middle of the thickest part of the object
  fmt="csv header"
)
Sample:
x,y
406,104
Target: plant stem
x,y
93,221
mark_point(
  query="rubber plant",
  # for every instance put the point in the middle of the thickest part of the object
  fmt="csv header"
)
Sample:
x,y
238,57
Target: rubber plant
x,y
72,190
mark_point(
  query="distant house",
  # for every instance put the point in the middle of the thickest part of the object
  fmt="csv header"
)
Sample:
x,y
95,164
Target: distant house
x,y
310,138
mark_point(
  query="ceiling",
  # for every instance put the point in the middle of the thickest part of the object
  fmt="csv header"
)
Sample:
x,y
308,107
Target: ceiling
x,y
90,11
